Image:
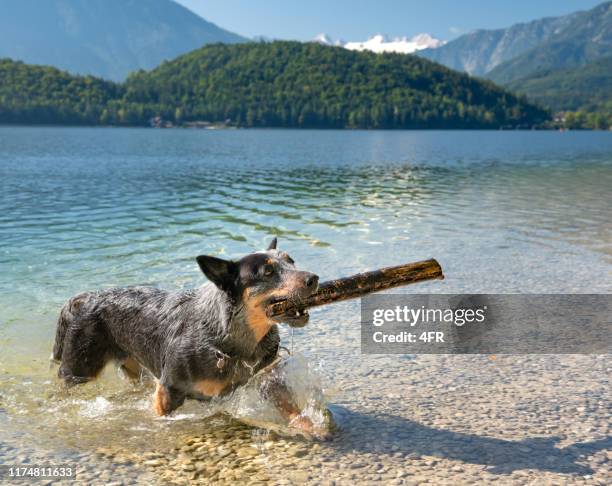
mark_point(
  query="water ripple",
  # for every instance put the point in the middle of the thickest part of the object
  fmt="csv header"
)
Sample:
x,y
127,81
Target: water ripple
x,y
94,208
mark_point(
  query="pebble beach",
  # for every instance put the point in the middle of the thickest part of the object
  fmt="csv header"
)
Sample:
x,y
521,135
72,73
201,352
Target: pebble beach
x,y
431,420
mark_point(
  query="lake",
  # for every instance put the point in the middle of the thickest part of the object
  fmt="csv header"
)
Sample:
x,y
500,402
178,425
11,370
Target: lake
x,y
505,212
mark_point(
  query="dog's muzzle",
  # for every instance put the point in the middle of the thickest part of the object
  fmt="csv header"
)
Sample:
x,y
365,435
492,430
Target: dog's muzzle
x,y
299,316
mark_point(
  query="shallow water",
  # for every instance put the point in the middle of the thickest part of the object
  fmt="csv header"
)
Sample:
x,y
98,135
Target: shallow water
x,y
83,208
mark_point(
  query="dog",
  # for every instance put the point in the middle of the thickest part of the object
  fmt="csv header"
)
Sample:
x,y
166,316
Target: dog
x,y
198,344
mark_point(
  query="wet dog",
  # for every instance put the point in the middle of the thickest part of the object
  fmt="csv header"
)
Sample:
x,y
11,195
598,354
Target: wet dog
x,y
198,344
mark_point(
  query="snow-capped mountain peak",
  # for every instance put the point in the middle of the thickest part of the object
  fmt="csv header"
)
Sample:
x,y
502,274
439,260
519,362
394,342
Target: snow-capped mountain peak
x,y
426,41
327,40
323,38
381,43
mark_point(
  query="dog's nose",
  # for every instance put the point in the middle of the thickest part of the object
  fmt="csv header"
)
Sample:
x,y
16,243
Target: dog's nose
x,y
312,281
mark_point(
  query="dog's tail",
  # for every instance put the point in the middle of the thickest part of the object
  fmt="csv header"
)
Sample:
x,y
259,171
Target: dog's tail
x,y
66,318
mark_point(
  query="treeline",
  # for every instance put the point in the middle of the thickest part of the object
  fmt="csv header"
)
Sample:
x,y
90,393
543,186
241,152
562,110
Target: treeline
x,y
581,97
277,84
584,120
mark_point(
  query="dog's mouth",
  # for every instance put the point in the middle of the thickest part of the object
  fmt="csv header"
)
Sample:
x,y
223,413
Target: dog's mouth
x,y
297,316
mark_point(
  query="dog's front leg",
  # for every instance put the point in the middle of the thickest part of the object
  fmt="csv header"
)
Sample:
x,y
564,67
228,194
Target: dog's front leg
x,y
167,399
274,388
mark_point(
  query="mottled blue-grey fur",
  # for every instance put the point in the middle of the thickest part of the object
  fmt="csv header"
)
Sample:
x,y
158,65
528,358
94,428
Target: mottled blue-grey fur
x,y
217,335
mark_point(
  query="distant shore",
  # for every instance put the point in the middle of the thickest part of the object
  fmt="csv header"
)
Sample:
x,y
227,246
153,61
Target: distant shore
x,y
212,126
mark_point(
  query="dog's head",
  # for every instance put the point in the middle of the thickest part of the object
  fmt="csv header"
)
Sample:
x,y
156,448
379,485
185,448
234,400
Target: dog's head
x,y
259,279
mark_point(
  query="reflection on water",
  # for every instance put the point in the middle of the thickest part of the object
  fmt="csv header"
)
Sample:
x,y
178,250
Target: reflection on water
x,y
91,208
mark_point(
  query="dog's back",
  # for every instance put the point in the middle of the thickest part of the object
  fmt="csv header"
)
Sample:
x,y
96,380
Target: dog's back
x,y
116,324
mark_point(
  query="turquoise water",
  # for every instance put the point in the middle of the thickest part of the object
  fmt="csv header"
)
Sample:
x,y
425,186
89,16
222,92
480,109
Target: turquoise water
x,y
91,208
85,208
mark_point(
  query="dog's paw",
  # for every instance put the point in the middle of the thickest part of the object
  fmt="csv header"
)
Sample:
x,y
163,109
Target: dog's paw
x,y
161,401
306,425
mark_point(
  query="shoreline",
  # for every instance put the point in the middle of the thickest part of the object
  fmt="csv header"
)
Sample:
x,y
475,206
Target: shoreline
x,y
326,129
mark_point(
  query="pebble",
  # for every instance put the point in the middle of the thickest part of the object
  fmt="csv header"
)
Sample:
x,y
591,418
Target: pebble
x,y
247,452
153,462
298,452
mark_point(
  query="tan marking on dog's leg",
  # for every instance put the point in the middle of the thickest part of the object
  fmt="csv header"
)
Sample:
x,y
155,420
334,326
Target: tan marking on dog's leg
x,y
131,368
161,400
210,388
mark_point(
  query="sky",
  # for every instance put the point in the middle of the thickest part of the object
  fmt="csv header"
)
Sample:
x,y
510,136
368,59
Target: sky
x,y
360,19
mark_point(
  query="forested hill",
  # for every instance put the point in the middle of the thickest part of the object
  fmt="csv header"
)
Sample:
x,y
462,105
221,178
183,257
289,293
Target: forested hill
x,y
44,95
586,88
278,84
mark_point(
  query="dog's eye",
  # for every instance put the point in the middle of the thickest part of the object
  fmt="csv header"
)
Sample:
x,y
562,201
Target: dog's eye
x,y
268,270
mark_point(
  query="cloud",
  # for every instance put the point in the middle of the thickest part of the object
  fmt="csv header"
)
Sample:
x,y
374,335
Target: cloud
x,y
455,30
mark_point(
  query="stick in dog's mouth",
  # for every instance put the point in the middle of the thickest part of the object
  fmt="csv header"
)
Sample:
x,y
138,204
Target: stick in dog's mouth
x,y
296,315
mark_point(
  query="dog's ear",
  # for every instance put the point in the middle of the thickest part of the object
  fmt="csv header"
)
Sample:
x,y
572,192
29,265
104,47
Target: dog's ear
x,y
221,272
272,245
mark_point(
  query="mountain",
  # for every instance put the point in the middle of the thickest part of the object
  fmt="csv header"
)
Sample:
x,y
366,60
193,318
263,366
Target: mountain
x,y
327,40
586,38
585,88
479,52
380,43
107,38
277,84
561,63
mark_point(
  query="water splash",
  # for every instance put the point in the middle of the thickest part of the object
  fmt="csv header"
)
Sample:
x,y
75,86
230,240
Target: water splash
x,y
99,407
247,404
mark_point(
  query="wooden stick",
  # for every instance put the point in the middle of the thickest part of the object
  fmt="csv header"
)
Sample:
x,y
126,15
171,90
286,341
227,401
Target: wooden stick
x,y
362,284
